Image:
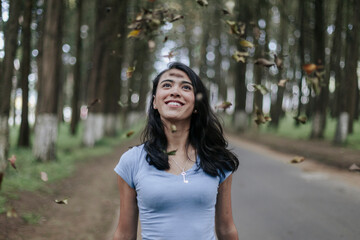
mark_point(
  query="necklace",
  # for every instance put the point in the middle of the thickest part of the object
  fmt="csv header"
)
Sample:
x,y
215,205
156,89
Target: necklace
x,y
183,173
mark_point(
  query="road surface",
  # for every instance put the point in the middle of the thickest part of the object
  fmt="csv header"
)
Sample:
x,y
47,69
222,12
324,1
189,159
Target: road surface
x,y
275,200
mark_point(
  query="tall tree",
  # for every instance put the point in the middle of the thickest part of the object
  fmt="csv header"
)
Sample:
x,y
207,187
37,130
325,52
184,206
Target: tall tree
x,y
24,135
321,100
7,68
75,104
46,127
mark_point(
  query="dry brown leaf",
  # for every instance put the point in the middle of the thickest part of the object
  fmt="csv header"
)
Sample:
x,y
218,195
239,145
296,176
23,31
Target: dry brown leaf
x,y
130,133
264,62
64,201
130,71
12,161
282,82
301,119
224,105
297,159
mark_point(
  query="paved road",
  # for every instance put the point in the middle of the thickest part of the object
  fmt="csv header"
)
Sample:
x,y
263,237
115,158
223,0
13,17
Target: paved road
x,y
273,200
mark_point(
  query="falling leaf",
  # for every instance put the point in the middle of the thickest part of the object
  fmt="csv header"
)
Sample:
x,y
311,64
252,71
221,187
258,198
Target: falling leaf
x,y
260,118
297,159
246,44
12,161
264,62
263,90
44,176
301,119
64,201
202,3
282,82
11,213
223,105
170,55
95,101
165,39
130,71
173,128
240,56
278,61
134,33
315,84
309,68
237,28
128,134
354,168
225,11
151,44
173,152
177,17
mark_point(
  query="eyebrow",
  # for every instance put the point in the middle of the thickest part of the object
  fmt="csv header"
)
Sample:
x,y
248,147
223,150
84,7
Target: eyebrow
x,y
172,81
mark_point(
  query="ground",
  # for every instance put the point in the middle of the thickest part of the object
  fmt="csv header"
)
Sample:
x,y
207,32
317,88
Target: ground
x,y
92,210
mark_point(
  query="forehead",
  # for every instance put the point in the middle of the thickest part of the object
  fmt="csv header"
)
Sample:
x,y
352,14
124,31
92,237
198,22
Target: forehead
x,y
174,74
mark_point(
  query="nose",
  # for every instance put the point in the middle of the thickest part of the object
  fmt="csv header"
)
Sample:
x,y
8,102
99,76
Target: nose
x,y
175,92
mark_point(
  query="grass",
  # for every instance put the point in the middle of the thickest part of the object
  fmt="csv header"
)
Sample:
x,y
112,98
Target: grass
x,y
288,129
69,152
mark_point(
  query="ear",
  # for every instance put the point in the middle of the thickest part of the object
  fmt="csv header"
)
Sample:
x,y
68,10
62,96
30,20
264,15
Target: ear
x,y
154,102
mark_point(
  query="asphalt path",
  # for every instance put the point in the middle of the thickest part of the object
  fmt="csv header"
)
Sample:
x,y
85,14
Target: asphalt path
x,y
275,200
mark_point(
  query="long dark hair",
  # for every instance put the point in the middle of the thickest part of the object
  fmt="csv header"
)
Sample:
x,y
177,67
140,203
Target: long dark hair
x,y
205,135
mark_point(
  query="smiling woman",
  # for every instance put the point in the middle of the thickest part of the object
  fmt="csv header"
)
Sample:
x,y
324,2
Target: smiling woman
x,y
179,179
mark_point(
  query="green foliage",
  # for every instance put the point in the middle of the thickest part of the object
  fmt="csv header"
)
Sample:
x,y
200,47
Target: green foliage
x,y
31,218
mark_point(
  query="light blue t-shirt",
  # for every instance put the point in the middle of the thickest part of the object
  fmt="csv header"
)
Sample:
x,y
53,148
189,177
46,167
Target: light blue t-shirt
x,y
168,207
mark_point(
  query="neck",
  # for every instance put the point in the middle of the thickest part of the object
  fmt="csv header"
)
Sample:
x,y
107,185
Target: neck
x,y
177,140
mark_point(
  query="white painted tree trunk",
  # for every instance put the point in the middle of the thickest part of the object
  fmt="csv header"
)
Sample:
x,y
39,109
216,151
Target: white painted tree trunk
x,y
4,143
46,131
342,128
94,129
110,124
241,121
317,125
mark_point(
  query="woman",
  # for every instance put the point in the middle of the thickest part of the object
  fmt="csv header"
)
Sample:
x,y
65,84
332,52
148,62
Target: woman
x,y
179,179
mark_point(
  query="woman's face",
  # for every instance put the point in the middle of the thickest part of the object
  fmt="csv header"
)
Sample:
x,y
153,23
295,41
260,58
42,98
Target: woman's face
x,y
174,97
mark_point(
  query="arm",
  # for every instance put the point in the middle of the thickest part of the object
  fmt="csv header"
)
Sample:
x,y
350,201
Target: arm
x,y
224,223
128,219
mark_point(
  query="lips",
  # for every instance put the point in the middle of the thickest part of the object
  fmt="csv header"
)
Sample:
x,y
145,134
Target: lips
x,y
174,103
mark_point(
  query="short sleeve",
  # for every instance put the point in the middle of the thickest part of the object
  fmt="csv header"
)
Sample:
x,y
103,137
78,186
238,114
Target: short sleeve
x,y
127,166
223,178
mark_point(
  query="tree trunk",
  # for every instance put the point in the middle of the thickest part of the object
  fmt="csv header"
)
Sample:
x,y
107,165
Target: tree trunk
x,y
321,100
47,106
75,104
24,135
240,119
5,81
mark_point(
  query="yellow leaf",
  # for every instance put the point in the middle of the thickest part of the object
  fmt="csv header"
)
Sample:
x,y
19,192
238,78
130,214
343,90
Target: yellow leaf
x,y
247,44
133,33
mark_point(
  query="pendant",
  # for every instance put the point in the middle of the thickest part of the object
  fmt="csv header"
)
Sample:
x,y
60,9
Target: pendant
x,y
184,177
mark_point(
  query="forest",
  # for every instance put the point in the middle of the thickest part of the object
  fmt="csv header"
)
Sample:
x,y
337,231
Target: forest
x,y
90,64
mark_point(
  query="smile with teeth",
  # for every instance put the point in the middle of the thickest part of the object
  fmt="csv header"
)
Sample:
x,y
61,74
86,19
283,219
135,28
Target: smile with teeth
x,y
176,104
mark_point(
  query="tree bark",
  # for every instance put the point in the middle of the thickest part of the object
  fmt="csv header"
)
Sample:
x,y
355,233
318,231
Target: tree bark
x,y
47,105
75,104
24,135
321,101
7,66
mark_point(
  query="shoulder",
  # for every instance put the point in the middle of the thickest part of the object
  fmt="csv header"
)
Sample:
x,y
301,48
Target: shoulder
x,y
133,152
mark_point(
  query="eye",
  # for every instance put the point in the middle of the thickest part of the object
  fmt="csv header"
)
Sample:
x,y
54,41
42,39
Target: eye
x,y
166,85
187,87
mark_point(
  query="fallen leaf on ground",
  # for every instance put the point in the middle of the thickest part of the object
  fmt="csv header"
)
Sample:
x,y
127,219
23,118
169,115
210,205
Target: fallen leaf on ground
x,y
64,201
297,159
11,213
354,168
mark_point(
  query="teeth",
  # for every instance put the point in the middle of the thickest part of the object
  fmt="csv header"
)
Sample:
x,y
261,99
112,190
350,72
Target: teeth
x,y
174,104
